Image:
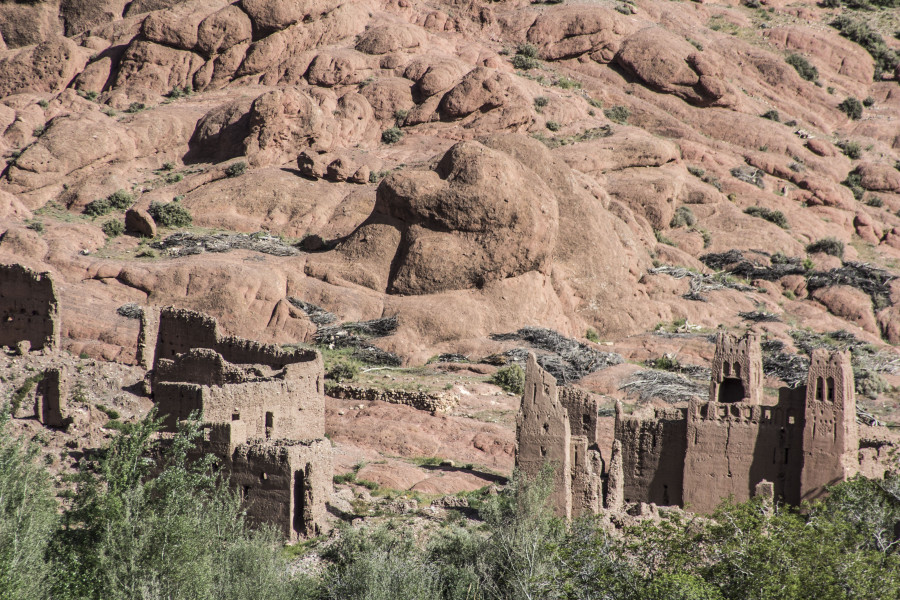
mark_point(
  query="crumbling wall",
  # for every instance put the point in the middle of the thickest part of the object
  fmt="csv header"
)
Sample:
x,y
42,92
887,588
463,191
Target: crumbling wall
x,y
736,369
179,330
29,308
731,447
543,436
653,451
582,407
285,484
52,395
830,435
147,337
587,477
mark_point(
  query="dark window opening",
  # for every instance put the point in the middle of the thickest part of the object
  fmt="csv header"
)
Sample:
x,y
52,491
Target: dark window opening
x,y
546,427
726,369
731,390
586,420
737,370
831,389
786,455
235,416
246,491
270,424
820,392
543,451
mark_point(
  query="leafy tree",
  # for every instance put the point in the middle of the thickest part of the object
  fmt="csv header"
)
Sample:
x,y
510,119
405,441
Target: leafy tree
x,y
27,517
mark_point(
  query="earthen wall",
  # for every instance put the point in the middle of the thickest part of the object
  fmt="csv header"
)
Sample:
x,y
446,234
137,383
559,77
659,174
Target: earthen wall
x,y
285,484
543,435
180,330
29,308
736,369
653,451
731,447
52,392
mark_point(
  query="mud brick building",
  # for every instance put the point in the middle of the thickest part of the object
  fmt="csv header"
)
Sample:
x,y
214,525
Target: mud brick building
x,y
697,456
29,309
263,411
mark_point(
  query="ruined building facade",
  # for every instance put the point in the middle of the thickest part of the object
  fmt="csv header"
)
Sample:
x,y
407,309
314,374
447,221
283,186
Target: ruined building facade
x,y
263,411
29,309
698,456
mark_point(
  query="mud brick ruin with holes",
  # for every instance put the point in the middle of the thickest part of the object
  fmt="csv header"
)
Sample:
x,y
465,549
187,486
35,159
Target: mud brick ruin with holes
x,y
29,309
697,456
263,411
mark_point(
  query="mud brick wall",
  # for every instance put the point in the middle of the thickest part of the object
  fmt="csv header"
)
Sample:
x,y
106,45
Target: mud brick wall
x,y
653,451
29,308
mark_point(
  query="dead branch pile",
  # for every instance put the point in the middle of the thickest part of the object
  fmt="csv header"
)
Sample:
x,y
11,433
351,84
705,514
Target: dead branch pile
x,y
700,282
873,281
318,315
734,262
131,310
760,316
186,244
665,385
566,359
357,335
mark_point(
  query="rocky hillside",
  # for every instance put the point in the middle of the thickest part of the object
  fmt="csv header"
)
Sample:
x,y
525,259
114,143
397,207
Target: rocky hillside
x,y
469,167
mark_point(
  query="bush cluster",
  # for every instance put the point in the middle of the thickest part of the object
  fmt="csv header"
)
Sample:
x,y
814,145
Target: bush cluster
x,y
772,216
683,217
617,114
803,67
236,169
850,149
851,107
858,31
113,228
391,135
118,200
511,378
526,57
170,215
828,245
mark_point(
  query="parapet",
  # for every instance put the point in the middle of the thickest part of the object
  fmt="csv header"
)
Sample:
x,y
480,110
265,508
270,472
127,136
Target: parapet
x,y
179,330
29,308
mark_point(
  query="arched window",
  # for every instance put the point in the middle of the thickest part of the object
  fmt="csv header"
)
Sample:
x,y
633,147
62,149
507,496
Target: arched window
x,y
726,369
820,389
830,394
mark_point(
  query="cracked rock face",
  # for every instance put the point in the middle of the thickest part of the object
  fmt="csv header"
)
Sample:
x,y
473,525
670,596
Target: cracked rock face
x,y
478,216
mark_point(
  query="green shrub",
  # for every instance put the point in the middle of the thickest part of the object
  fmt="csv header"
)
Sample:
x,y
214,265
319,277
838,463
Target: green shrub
x,y
28,517
38,131
113,228
664,363
772,115
874,201
827,245
540,102
696,171
37,226
683,217
773,216
170,215
236,169
526,57
552,125
858,31
592,336
511,378
527,50
850,149
135,107
343,371
802,66
391,135
851,107
109,412
617,114
868,101
662,239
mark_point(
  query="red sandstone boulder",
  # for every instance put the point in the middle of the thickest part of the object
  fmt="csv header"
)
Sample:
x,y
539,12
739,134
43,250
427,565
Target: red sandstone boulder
x,y
154,69
566,32
483,89
281,124
387,95
825,48
848,303
47,67
670,64
390,38
343,67
479,216
273,15
222,30
879,177
139,221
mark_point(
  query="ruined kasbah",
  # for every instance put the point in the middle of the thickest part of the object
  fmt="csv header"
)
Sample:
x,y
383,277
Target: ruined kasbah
x,y
262,410
733,445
